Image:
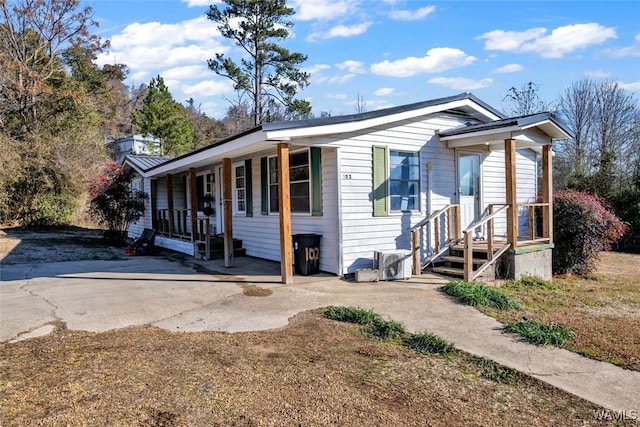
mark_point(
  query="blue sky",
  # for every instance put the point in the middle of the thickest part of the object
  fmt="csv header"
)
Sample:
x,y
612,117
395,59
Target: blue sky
x,y
388,52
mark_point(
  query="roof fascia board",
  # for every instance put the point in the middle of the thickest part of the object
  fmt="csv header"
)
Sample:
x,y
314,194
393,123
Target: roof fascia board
x,y
135,167
355,126
212,153
486,132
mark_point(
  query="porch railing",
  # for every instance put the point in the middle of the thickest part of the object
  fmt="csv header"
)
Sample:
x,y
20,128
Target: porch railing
x,y
532,236
450,215
492,257
173,222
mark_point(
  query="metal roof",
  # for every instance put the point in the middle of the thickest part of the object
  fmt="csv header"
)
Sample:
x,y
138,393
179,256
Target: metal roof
x,y
144,163
324,121
557,130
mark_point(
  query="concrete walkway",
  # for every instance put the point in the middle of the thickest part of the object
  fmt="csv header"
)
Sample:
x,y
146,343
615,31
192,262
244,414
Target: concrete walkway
x,y
188,296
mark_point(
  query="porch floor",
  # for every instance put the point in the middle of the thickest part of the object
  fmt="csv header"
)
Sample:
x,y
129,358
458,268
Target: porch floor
x,y
248,269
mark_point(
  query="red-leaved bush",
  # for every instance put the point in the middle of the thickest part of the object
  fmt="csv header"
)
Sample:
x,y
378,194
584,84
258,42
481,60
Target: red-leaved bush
x,y
583,225
113,204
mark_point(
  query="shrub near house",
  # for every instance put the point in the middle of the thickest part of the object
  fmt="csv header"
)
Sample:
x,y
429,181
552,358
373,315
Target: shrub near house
x,y
583,226
113,203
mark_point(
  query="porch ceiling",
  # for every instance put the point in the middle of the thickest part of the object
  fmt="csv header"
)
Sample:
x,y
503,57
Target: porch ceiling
x,y
528,131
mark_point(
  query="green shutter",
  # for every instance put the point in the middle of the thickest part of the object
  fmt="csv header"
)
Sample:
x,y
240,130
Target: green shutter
x,y
316,181
380,186
264,186
248,187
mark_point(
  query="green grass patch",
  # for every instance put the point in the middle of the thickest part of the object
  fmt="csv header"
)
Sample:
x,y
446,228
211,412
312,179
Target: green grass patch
x,y
479,295
426,342
540,333
389,330
531,282
355,315
497,373
386,329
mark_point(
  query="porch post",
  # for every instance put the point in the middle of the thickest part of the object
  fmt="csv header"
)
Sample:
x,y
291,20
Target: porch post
x,y
547,192
193,195
154,195
228,212
510,175
284,207
170,202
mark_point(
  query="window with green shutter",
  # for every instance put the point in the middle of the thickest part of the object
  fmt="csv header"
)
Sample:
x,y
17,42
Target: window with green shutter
x,y
305,172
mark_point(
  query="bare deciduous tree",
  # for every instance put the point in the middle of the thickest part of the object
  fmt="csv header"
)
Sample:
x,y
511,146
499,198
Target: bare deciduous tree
x,y
33,34
525,101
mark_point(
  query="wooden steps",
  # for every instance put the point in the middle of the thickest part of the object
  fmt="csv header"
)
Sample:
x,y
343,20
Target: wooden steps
x,y
453,264
449,271
460,259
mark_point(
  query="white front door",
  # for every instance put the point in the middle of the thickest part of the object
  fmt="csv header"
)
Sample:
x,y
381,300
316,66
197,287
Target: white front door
x,y
469,188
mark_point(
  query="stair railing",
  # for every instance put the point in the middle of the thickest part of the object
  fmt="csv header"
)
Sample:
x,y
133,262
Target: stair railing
x,y
452,213
492,257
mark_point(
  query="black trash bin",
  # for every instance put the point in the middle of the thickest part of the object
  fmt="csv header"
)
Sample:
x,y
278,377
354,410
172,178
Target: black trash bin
x,y
306,253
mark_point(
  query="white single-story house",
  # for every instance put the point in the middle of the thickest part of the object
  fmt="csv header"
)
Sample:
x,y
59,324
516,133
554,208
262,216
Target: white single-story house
x,y
424,180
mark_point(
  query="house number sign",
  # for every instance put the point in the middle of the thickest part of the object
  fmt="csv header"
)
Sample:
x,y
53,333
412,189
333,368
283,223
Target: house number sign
x,y
346,176
312,254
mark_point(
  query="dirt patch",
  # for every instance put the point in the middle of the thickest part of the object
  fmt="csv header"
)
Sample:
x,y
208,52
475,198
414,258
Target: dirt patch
x,y
256,291
312,372
22,246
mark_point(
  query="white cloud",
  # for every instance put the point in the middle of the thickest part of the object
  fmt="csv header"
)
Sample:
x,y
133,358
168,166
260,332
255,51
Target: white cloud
x,y
340,79
338,96
155,45
509,68
208,88
320,9
372,105
435,61
192,3
632,86
598,74
509,41
347,30
412,15
559,42
461,83
187,72
384,91
352,67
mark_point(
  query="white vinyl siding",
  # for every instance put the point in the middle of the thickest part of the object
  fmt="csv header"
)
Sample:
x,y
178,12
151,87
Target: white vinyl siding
x,y
362,232
260,234
494,182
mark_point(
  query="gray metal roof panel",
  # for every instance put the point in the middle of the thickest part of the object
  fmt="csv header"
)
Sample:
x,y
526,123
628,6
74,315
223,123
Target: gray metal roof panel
x,y
520,121
324,121
145,163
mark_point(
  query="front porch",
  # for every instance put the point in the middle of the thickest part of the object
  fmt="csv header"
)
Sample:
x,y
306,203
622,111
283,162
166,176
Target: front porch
x,y
513,238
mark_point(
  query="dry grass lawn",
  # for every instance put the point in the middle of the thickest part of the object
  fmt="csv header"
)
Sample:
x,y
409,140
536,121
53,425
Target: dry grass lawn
x,y
603,309
312,372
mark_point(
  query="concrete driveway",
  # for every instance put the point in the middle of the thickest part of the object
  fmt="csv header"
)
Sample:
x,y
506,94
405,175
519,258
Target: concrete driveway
x,y
188,296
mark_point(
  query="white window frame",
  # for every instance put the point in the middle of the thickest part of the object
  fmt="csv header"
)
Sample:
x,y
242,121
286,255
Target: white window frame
x,y
236,189
271,184
418,181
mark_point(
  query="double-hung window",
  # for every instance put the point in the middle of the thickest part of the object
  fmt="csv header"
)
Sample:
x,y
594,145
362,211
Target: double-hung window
x,y
299,188
404,181
240,186
396,181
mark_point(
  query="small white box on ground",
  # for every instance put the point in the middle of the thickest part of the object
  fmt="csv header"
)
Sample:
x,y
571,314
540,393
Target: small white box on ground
x,y
366,275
